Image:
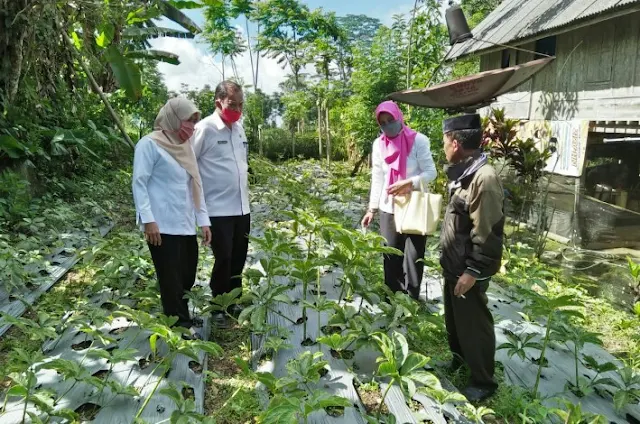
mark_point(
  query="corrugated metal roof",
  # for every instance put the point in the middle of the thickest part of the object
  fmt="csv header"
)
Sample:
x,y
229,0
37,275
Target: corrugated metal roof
x,y
515,20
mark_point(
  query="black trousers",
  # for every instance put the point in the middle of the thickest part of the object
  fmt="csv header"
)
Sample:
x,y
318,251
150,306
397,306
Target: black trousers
x,y
176,263
402,273
230,242
470,331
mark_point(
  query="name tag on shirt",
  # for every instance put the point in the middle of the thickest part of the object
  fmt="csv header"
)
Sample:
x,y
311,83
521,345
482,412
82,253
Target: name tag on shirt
x,y
222,141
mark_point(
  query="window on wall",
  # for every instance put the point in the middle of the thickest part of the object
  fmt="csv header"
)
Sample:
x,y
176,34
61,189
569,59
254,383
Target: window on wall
x,y
546,46
506,58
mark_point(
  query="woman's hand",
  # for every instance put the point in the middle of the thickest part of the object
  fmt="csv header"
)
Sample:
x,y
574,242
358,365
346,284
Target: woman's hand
x,y
152,234
206,236
367,220
401,187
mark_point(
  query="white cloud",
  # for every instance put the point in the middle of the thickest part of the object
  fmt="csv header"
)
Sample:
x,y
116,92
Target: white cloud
x,y
198,67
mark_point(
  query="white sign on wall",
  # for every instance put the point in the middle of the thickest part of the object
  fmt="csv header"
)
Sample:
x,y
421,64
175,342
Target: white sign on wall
x,y
571,146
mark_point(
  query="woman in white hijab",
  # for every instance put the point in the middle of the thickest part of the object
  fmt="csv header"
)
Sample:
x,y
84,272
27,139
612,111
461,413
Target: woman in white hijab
x,y
167,191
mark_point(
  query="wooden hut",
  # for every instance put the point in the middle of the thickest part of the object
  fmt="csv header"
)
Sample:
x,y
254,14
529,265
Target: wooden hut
x,y
588,99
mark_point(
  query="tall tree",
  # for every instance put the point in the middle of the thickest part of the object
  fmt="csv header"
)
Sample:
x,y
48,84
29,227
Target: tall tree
x,y
289,30
223,38
359,32
477,10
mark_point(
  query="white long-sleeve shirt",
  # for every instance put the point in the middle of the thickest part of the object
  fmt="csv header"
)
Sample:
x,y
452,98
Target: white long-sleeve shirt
x,y
222,158
162,192
420,165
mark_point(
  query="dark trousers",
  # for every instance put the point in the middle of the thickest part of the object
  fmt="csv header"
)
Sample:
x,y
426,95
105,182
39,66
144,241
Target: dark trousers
x,y
470,331
402,273
176,263
230,242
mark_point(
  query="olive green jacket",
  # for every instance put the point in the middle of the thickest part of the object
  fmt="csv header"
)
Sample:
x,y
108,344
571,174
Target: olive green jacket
x,y
473,225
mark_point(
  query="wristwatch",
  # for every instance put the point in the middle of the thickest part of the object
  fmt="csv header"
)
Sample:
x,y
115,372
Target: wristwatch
x,y
373,211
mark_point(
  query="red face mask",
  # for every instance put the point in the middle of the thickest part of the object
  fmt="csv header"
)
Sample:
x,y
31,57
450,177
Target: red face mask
x,y
186,130
230,116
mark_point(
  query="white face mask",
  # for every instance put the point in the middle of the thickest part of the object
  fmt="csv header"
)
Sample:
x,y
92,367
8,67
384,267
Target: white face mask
x,y
392,129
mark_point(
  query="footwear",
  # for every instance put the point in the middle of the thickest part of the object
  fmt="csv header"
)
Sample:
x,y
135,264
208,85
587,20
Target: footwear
x,y
192,335
220,320
235,310
477,394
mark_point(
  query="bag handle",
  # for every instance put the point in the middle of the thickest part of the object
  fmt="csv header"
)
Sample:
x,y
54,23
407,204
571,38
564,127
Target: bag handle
x,y
422,186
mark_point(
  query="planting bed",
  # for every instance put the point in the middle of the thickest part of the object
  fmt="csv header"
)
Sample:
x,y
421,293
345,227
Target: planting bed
x,y
52,268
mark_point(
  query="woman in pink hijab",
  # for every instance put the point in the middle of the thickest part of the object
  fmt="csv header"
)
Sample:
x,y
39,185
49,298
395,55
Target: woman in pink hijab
x,y
401,159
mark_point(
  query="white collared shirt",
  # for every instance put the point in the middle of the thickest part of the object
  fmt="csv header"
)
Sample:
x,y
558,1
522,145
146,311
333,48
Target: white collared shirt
x,y
420,166
222,157
162,192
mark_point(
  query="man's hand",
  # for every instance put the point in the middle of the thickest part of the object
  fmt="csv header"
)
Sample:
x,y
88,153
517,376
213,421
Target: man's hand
x,y
400,188
152,234
367,220
465,283
206,236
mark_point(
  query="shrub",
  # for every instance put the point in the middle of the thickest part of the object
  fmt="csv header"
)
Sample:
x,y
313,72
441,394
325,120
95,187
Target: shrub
x,y
277,145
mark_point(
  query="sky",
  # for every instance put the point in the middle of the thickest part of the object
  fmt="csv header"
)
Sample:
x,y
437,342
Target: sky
x,y
199,67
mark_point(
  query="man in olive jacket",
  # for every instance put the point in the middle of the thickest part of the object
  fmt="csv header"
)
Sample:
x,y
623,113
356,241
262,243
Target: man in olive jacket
x,y
471,242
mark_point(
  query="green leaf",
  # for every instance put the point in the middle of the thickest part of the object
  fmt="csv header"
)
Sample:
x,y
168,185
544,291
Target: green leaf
x,y
411,386
77,41
19,391
414,361
126,73
426,379
281,411
12,147
138,33
387,369
174,14
621,399
153,344
401,347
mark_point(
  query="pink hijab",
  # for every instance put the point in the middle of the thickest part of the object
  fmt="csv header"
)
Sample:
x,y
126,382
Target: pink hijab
x,y
395,150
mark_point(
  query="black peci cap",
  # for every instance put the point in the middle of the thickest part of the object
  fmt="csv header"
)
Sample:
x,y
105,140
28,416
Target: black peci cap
x,y
462,122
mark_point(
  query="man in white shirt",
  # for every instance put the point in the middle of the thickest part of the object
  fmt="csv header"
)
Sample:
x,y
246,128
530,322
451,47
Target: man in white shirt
x,y
221,148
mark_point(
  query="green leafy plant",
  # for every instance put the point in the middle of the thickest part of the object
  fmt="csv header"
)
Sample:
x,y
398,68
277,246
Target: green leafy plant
x,y
553,310
574,338
518,343
629,391
402,367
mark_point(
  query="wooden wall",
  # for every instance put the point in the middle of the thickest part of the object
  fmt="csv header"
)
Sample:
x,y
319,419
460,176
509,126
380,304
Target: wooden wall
x,y
596,75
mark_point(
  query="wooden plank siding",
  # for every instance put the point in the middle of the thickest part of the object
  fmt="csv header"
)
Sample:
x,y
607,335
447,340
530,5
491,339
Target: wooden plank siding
x,y
595,77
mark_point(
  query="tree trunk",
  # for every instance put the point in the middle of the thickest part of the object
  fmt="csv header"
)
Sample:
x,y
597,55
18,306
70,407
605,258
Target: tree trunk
x,y
319,129
14,30
358,165
257,59
293,144
328,134
253,72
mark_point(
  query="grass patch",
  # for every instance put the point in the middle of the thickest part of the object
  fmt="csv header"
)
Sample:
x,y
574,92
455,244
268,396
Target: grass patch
x,y
230,397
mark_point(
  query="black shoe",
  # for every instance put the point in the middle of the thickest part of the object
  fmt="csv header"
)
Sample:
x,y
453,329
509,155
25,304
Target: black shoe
x,y
235,310
192,335
220,320
477,394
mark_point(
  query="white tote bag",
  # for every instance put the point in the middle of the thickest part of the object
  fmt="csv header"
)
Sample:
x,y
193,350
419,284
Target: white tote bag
x,y
418,212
